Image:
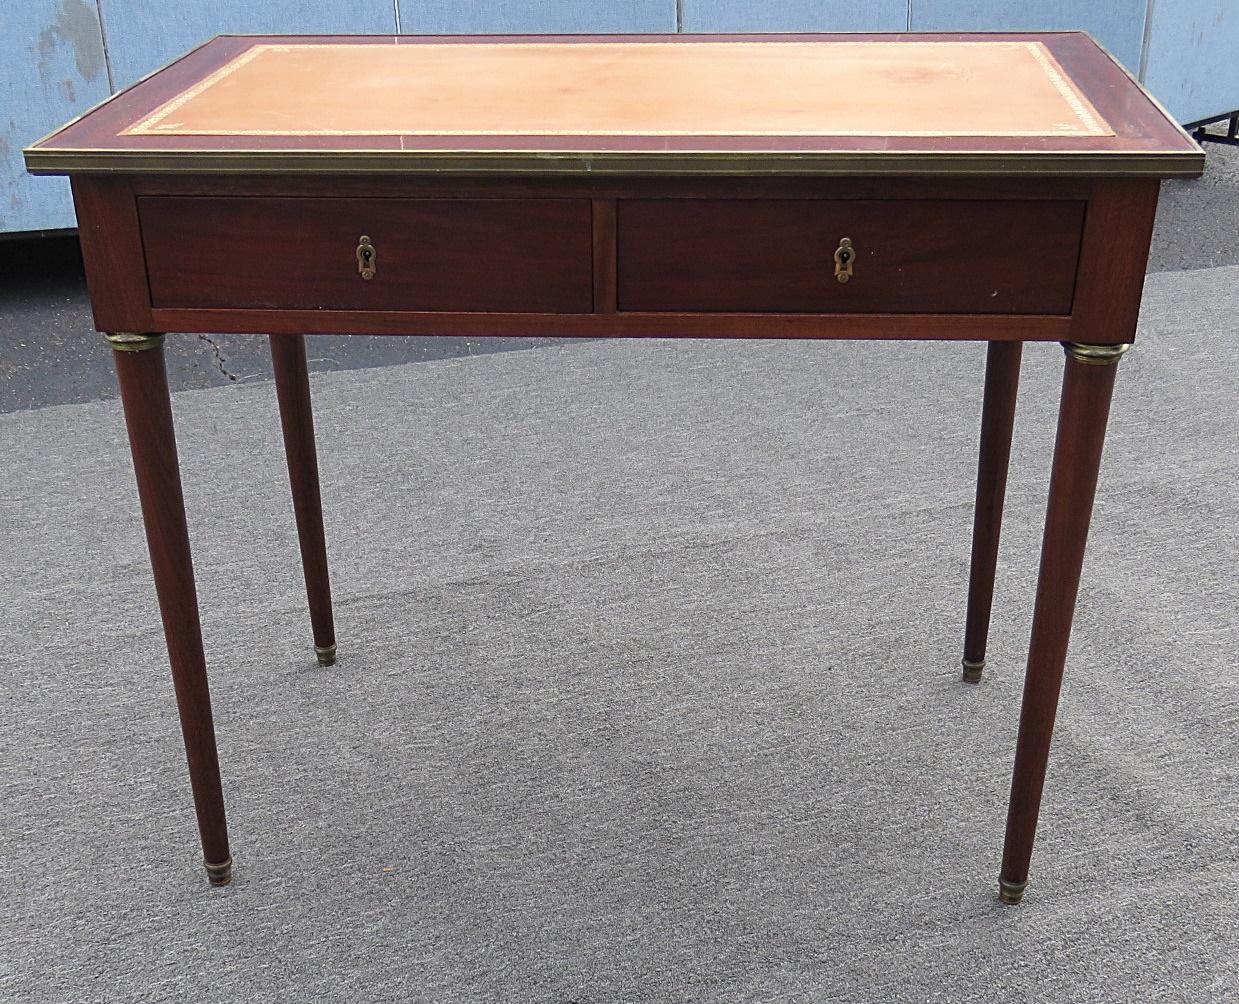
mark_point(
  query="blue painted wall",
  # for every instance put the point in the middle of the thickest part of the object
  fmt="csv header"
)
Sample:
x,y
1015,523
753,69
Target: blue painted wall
x,y
795,15
1192,63
52,69
54,63
145,34
1116,24
464,17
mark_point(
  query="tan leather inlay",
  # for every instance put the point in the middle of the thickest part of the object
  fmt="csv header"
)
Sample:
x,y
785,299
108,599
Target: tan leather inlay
x,y
863,88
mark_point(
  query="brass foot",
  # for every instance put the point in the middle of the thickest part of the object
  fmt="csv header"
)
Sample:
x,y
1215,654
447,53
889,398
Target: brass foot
x,y
326,655
1011,892
220,874
972,671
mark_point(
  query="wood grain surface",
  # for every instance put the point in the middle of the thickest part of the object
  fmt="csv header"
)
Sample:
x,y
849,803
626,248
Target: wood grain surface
x,y
916,256
442,254
1083,412
292,391
148,418
1002,381
112,253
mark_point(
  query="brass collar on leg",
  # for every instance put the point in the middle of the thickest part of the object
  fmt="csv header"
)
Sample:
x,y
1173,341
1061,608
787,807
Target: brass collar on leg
x,y
127,341
1095,355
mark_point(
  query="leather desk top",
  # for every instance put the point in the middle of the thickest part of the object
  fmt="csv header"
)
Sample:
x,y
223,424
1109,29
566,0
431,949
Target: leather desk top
x,y
834,104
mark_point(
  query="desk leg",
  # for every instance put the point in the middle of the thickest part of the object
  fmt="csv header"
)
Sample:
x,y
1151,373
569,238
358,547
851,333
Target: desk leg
x,y
292,388
1084,407
152,442
1002,380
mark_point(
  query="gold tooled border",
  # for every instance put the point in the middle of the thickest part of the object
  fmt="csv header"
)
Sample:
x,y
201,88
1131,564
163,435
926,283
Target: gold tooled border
x,y
146,126
1071,93
1090,120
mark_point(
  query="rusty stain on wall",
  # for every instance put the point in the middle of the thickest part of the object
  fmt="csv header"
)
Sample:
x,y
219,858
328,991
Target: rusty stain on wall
x,y
77,26
52,64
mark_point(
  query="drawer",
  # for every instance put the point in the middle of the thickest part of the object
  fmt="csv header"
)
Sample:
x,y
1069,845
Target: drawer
x,y
489,255
911,256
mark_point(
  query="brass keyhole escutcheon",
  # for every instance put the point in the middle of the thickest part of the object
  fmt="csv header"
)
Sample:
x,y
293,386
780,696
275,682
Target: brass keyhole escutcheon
x,y
845,255
367,258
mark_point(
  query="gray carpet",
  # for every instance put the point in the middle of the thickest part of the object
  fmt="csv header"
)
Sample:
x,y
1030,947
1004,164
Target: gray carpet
x,y
648,687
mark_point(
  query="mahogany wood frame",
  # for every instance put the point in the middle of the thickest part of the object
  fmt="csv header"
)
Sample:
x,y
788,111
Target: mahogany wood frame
x,y
1117,209
1112,251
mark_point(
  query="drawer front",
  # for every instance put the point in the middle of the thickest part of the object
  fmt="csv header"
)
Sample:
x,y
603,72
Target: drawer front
x,y
486,255
910,256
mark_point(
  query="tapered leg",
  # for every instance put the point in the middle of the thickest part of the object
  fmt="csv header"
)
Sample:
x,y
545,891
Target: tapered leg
x,y
1002,380
148,417
292,387
1083,410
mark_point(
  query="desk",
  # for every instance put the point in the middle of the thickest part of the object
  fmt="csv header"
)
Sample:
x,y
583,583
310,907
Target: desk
x,y
986,187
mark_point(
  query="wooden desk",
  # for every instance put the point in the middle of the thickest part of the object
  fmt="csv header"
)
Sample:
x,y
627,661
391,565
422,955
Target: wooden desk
x,y
991,187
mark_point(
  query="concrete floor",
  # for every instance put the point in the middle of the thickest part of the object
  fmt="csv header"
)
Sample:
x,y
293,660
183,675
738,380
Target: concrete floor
x,y
51,354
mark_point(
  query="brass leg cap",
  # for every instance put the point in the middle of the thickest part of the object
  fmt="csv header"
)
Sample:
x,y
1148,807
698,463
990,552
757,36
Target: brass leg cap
x,y
972,671
220,874
326,655
1011,892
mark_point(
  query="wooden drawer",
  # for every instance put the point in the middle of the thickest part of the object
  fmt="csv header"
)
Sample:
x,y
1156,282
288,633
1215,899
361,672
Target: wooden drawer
x,y
911,256
488,255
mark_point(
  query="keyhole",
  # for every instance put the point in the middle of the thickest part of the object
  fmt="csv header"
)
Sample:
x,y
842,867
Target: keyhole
x,y
843,260
366,258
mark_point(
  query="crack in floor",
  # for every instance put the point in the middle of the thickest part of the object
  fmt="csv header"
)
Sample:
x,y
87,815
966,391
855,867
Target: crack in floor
x,y
219,357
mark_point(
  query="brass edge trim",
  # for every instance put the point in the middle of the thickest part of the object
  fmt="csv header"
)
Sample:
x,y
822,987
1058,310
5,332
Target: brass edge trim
x,y
1095,355
127,341
1150,164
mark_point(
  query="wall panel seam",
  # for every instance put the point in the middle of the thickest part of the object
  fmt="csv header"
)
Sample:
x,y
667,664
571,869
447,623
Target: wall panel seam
x,y
1146,38
103,43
